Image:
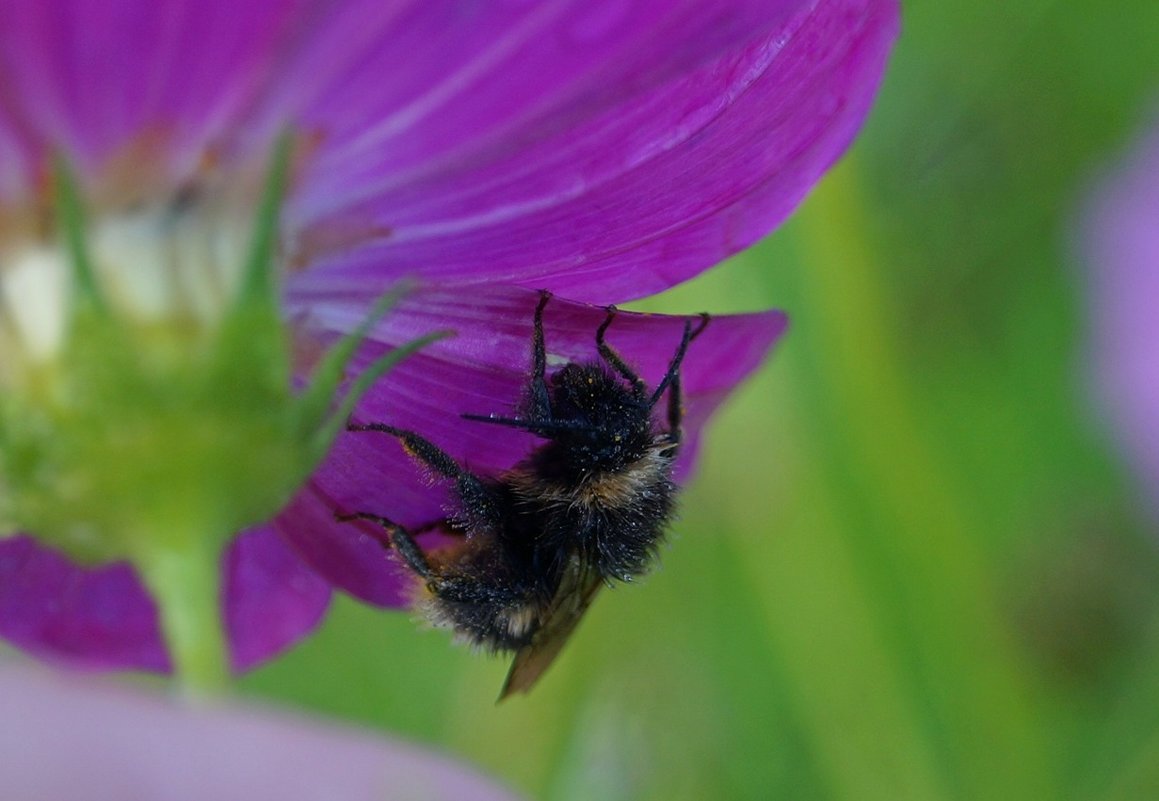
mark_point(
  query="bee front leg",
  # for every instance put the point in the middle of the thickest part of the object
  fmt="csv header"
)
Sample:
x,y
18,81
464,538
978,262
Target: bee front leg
x,y
477,500
671,379
613,359
540,401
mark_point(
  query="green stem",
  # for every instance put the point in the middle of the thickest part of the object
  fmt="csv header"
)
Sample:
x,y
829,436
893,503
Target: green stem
x,y
186,585
964,648
1139,777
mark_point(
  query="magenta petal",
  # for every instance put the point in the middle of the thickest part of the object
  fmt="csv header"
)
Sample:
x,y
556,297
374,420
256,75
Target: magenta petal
x,y
615,195
1122,249
102,618
67,737
353,557
274,599
94,77
399,90
97,618
481,370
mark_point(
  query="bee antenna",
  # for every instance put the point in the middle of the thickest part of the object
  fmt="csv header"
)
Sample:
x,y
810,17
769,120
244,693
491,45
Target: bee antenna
x,y
513,422
534,426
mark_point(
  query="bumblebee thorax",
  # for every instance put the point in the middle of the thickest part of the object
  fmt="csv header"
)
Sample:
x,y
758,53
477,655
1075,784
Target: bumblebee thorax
x,y
605,425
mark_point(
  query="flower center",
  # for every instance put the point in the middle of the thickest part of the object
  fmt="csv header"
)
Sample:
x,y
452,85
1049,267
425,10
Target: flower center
x,y
173,260
181,259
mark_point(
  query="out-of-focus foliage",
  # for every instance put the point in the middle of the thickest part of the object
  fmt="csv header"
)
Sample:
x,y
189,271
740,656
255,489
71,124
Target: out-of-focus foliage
x,y
911,566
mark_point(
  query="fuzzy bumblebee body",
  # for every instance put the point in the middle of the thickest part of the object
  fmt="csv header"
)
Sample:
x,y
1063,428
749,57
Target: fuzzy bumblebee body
x,y
589,506
614,520
487,594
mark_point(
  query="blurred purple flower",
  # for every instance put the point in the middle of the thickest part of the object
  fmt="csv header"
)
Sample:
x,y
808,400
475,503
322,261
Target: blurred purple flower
x,y
69,737
602,150
1121,243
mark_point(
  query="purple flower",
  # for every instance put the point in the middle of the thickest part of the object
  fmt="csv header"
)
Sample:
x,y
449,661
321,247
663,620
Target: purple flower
x,y
1121,240
601,150
66,737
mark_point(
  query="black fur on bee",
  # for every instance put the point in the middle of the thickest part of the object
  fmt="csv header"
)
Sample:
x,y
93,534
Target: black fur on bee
x,y
588,506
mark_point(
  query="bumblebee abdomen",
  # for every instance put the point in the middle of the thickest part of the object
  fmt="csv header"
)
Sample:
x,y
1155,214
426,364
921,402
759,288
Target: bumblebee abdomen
x,y
501,624
484,593
622,540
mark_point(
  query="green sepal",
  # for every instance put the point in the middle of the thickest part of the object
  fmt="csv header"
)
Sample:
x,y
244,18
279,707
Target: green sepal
x,y
70,213
366,379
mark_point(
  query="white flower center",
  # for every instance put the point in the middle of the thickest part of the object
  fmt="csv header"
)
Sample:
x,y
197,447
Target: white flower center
x,y
34,285
164,261
177,262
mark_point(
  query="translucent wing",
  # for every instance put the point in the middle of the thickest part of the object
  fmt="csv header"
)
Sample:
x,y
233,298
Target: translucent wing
x,y
572,599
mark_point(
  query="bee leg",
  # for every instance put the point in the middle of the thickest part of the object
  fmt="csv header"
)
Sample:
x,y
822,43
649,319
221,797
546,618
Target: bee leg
x,y
671,380
540,400
442,526
422,449
410,551
613,359
477,500
400,539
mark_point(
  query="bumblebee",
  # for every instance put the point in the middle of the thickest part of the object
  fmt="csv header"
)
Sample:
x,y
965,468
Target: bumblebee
x,y
587,507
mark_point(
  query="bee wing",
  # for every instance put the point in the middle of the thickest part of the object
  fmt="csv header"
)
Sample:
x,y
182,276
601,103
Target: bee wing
x,y
572,599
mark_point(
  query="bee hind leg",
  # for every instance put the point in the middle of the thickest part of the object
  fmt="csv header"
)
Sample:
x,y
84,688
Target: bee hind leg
x,y
399,538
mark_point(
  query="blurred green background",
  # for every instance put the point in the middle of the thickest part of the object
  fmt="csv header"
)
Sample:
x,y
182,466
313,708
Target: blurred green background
x,y
911,565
